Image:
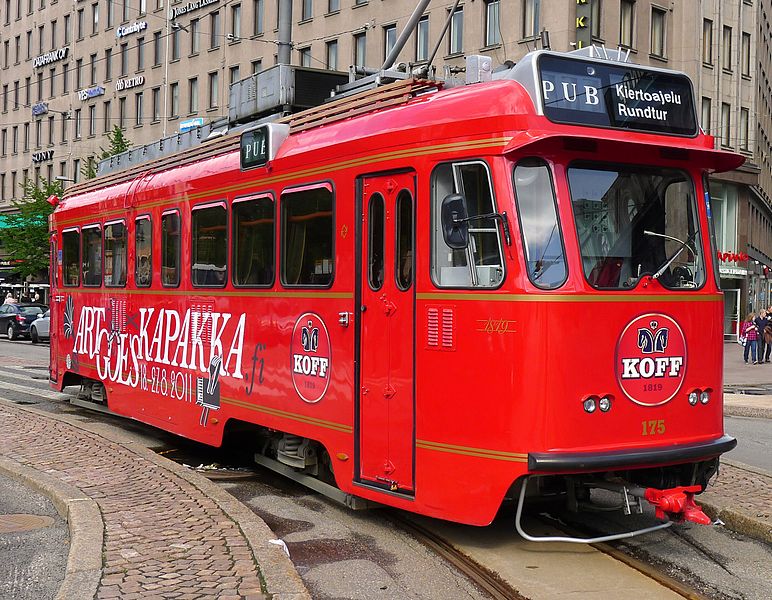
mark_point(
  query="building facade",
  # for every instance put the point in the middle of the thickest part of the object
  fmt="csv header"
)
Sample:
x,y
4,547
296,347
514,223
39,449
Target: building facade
x,y
70,71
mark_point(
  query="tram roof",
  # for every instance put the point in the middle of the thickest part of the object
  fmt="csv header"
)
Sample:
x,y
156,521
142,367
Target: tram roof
x,y
453,114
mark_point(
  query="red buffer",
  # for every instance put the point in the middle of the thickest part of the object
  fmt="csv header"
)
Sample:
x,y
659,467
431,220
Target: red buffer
x,y
677,504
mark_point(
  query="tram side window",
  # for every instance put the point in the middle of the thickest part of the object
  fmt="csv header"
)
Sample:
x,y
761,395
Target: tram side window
x,y
307,231
115,254
253,242
209,245
170,249
71,258
542,240
481,263
143,251
92,256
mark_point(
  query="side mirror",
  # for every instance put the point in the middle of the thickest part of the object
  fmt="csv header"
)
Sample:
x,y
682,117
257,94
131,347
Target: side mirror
x,y
455,229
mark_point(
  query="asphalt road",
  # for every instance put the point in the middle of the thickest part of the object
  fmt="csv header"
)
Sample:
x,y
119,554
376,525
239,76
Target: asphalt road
x,y
754,441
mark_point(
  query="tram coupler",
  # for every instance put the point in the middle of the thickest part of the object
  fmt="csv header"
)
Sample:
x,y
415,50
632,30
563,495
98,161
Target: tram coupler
x,y
677,504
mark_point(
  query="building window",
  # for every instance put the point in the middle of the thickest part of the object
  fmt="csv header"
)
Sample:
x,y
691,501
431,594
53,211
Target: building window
x,y
307,234
257,66
175,44
456,39
726,49
530,18
214,29
333,6
94,19
175,94
214,85
71,258
53,34
422,40
38,134
258,23
157,49
389,39
235,22
124,60
305,57
156,97
110,13
193,95
142,7
80,23
108,64
64,128
195,36
595,19
307,11
331,55
705,116
140,54
658,25
66,29
707,41
126,11
122,113
51,83
492,23
92,120
93,69
726,124
744,122
51,130
106,125
234,75
138,108
360,50
746,57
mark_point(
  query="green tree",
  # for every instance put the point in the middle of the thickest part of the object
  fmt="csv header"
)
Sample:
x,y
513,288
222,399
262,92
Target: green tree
x,y
118,143
26,235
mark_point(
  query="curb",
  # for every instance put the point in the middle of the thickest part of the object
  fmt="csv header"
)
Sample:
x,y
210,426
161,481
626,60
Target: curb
x,y
734,519
84,520
282,581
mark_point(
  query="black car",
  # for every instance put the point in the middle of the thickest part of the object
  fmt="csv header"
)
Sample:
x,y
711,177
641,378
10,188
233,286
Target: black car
x,y
15,319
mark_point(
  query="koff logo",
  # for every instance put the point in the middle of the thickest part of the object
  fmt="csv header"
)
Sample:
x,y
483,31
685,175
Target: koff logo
x,y
310,337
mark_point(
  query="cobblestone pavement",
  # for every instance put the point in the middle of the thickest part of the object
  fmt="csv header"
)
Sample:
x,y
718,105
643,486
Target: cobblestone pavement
x,y
163,537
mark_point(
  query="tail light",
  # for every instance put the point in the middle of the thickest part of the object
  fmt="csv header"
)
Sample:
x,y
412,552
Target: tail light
x,y
21,318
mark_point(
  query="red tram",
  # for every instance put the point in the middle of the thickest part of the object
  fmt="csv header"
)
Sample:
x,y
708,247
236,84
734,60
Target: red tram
x,y
429,303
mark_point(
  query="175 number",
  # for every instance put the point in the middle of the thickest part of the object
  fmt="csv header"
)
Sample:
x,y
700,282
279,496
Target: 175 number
x,y
653,427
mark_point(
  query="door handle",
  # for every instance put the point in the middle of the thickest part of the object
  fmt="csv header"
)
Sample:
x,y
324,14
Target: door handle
x,y
344,318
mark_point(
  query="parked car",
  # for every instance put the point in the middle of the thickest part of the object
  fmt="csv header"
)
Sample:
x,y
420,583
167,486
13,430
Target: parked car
x,y
39,330
15,319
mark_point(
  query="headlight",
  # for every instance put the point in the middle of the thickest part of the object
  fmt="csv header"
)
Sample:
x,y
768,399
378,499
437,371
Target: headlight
x,y
604,404
694,397
589,405
705,397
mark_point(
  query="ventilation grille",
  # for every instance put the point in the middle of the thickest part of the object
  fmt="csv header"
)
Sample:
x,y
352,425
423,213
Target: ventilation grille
x,y
440,328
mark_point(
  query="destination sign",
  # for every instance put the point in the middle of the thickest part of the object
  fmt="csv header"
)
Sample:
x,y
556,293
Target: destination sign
x,y
261,144
254,148
618,96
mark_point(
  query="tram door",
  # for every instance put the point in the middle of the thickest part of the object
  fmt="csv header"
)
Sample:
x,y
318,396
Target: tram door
x,y
53,323
387,332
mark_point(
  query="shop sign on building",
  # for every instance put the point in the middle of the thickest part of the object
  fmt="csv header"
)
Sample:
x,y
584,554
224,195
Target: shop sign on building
x,y
128,83
40,108
125,30
191,124
192,6
91,92
50,57
44,156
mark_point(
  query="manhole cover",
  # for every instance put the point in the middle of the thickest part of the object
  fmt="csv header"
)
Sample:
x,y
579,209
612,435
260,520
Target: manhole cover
x,y
21,522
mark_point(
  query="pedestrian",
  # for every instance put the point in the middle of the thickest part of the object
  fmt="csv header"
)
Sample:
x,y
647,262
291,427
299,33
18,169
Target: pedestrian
x,y
9,299
750,333
761,324
767,335
36,298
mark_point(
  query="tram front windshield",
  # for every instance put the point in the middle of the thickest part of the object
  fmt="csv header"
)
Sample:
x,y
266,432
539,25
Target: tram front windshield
x,y
634,222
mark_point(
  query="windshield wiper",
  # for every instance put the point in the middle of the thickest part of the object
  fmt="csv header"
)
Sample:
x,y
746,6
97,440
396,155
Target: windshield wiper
x,y
684,246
